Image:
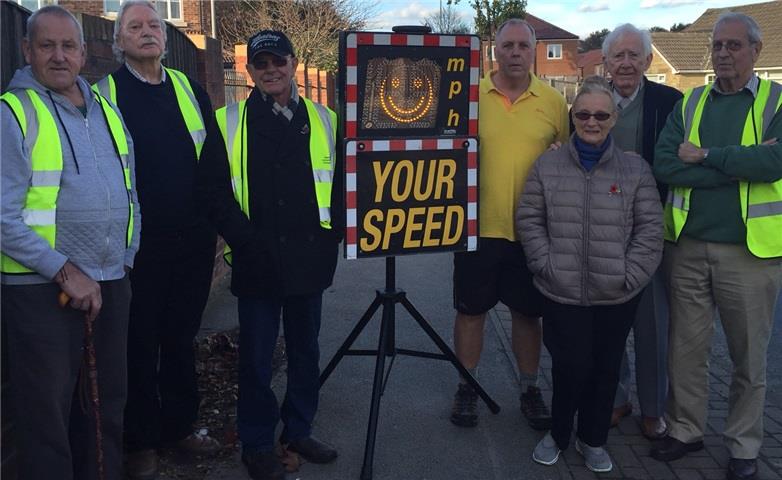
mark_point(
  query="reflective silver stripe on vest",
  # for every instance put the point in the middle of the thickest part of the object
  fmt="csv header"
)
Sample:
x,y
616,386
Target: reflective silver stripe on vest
x,y
771,105
104,88
199,136
325,118
231,125
325,214
39,217
46,178
689,110
124,159
765,209
31,117
323,176
676,200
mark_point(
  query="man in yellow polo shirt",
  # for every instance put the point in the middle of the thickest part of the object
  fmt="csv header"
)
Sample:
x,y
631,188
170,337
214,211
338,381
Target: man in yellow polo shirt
x,y
519,117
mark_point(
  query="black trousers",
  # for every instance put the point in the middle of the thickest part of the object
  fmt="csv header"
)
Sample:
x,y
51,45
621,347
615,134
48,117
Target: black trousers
x,y
170,281
55,438
586,346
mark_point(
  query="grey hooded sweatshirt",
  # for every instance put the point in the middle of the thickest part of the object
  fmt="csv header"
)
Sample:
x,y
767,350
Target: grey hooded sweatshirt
x,y
92,204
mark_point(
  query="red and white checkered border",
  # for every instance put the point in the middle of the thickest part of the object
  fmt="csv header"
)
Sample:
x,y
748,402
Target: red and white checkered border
x,y
351,233
353,40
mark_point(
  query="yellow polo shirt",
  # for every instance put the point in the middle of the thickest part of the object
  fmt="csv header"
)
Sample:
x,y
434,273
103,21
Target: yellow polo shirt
x,y
512,136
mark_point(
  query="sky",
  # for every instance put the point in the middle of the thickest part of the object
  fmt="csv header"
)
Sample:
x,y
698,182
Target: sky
x,y
580,17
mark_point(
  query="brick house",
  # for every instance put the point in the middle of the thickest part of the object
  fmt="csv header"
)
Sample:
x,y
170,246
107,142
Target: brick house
x,y
683,60
191,16
555,53
590,63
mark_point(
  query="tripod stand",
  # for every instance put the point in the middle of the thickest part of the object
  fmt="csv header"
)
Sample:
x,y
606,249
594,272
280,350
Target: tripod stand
x,y
388,299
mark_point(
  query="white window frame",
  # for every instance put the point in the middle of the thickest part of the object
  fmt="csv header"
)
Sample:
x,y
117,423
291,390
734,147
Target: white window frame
x,y
551,51
41,3
108,12
656,77
168,10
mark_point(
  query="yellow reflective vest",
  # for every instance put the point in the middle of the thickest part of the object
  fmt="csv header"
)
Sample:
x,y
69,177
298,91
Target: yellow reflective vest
x,y
39,129
761,203
232,120
185,97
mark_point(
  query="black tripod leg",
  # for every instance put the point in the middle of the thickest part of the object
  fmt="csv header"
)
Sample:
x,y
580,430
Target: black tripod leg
x,y
446,350
377,390
351,338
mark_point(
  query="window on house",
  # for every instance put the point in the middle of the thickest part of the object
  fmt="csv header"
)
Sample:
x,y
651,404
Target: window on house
x,y
656,77
169,9
111,7
491,52
33,5
554,51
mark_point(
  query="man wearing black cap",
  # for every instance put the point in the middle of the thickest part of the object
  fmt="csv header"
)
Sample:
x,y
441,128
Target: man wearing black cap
x,y
275,201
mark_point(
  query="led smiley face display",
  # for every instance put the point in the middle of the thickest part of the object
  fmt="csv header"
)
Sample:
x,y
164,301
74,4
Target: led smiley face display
x,y
401,93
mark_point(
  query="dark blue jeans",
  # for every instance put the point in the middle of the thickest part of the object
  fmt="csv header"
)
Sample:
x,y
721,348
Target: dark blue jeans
x,y
257,409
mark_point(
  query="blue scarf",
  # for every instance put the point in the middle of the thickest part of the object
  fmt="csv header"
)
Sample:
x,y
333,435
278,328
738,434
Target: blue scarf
x,y
588,154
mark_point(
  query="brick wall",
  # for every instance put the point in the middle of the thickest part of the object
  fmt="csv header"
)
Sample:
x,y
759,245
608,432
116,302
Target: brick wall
x,y
561,67
321,83
90,7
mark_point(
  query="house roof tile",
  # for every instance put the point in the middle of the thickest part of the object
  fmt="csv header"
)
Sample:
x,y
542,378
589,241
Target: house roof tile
x,y
689,49
547,31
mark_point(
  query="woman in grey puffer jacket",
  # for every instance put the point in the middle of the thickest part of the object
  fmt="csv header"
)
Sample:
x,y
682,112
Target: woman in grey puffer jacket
x,y
590,222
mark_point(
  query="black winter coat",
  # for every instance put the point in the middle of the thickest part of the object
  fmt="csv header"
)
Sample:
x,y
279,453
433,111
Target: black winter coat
x,y
281,250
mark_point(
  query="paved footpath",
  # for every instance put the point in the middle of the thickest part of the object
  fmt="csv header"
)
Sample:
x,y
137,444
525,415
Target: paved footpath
x,y
415,439
630,450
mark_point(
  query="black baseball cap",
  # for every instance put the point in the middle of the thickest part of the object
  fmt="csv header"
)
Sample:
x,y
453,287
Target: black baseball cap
x,y
272,41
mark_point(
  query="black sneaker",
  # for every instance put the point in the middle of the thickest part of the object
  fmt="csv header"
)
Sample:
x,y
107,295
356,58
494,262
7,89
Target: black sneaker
x,y
535,410
263,466
465,407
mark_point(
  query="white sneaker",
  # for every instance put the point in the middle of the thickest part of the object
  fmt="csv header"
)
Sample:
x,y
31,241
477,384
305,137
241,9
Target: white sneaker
x,y
546,452
595,458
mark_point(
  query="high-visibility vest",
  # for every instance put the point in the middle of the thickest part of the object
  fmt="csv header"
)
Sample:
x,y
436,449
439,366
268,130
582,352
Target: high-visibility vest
x,y
42,138
761,203
232,120
185,97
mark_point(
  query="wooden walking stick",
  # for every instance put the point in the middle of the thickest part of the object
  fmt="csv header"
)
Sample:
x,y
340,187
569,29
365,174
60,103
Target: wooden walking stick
x,y
90,361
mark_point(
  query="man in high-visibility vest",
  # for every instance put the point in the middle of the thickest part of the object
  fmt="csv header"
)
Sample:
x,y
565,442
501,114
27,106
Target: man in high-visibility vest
x,y
168,115
70,224
276,199
720,156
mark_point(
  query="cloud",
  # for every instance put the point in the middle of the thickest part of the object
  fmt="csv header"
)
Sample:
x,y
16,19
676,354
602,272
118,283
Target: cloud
x,y
668,3
594,7
413,14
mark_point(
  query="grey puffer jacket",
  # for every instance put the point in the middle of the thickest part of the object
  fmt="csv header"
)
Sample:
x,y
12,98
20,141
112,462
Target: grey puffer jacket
x,y
591,238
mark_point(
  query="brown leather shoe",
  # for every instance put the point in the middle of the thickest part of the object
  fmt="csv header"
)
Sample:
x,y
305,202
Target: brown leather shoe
x,y
620,412
142,465
654,428
198,443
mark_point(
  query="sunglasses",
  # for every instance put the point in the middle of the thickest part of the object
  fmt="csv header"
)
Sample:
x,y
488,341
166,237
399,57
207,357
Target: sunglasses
x,y
599,116
262,63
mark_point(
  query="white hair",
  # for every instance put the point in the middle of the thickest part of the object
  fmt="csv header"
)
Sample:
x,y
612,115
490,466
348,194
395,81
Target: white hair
x,y
119,54
627,29
753,30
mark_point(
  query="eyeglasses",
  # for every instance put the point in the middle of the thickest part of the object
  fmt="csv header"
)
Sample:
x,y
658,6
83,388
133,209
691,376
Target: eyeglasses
x,y
599,116
262,63
731,45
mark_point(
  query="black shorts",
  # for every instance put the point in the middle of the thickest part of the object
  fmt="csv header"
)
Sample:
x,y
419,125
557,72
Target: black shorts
x,y
497,272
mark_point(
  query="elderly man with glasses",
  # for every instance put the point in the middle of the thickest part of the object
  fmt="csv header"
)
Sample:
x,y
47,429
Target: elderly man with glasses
x,y
723,218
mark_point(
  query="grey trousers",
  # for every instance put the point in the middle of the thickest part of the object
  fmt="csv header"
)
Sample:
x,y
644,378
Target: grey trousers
x,y
54,437
650,334
702,277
